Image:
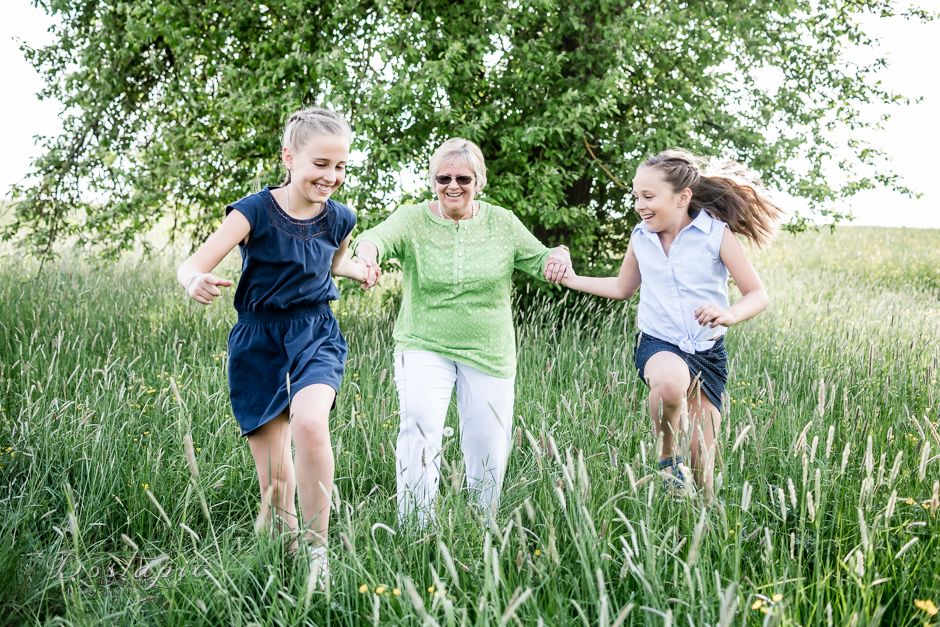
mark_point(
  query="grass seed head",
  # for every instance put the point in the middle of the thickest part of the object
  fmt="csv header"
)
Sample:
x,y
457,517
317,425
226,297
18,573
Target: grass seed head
x,y
746,496
529,509
889,508
191,455
863,529
896,468
792,490
924,456
126,539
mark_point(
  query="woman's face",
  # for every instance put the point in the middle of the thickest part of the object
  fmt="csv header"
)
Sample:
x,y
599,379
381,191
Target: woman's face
x,y
455,198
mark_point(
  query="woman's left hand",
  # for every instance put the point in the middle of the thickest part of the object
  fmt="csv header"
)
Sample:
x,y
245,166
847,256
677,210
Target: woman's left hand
x,y
713,316
557,265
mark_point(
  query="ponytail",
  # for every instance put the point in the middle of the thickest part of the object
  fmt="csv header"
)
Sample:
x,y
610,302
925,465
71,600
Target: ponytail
x,y
726,192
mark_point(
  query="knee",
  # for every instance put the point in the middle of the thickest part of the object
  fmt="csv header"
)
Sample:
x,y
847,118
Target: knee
x,y
310,433
670,391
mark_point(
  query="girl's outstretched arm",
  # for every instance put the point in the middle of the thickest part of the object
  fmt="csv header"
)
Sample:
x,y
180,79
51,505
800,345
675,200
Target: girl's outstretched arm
x,y
754,297
621,287
195,275
360,270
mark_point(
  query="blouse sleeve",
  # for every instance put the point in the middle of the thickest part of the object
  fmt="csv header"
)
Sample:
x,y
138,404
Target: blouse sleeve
x,y
248,207
530,254
346,222
390,236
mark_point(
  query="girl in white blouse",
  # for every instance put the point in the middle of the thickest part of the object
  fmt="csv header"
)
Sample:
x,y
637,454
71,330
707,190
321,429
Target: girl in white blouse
x,y
681,253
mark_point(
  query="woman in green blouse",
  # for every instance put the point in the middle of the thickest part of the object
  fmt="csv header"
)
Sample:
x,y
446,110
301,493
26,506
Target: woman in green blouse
x,y
455,326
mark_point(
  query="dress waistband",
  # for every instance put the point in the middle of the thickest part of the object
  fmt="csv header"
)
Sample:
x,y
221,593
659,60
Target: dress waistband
x,y
318,309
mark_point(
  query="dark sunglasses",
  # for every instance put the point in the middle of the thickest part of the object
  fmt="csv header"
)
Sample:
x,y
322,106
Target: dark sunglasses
x,y
461,180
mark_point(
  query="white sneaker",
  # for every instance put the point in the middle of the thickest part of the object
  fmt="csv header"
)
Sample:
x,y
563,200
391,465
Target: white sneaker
x,y
319,568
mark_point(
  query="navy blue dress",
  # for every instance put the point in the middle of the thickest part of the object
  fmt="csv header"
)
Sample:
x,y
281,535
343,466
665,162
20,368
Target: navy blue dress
x,y
285,325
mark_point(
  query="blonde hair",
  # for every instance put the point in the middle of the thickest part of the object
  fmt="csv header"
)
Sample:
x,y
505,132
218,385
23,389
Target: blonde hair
x,y
305,123
726,191
458,148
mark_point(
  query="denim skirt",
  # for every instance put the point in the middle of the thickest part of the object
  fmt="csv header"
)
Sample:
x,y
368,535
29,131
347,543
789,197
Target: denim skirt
x,y
711,366
265,348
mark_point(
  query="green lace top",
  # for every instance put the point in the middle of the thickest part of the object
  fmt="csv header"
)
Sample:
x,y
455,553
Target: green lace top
x,y
457,281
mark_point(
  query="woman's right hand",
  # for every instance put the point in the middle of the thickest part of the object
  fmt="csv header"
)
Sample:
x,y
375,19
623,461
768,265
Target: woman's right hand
x,y
205,288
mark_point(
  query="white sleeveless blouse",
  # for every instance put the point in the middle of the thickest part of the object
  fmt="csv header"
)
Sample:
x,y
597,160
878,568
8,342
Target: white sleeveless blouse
x,y
674,286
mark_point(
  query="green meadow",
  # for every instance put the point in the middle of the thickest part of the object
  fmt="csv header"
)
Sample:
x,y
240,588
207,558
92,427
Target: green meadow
x,y
827,484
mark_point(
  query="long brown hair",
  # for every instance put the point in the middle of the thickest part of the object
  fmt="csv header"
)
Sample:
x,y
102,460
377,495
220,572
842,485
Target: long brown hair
x,y
726,191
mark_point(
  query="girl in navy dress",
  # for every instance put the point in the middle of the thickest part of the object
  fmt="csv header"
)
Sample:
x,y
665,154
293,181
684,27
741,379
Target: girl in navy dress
x,y
679,258
286,353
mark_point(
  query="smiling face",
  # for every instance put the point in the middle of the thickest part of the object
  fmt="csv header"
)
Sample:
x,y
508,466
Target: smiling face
x,y
455,198
318,167
660,208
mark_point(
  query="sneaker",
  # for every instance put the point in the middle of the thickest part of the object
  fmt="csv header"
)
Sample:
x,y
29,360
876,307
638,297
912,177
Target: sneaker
x,y
674,482
319,561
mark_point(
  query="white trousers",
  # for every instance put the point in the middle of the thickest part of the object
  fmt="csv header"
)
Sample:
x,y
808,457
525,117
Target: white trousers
x,y
425,381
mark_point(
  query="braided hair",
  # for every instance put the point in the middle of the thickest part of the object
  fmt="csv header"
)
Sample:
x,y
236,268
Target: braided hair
x,y
306,123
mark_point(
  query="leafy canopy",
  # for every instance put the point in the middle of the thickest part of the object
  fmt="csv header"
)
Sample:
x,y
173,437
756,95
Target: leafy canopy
x,y
174,107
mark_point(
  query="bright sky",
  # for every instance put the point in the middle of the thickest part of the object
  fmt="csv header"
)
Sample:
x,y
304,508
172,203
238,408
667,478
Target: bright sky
x,y
911,136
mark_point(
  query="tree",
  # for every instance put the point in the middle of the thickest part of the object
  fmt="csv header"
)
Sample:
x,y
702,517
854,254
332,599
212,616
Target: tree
x,y
174,108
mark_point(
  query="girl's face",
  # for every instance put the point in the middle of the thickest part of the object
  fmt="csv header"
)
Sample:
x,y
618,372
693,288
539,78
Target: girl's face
x,y
455,198
660,208
318,168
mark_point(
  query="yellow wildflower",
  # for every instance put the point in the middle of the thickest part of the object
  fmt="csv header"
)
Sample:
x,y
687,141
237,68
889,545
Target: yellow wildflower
x,y
380,590
396,592
363,589
756,604
777,598
927,606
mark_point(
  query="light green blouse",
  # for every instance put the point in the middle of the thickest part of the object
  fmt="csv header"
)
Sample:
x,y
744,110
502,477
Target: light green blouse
x,y
457,282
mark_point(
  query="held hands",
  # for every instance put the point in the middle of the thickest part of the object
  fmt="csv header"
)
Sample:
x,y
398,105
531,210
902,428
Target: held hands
x,y
370,272
558,265
204,288
713,316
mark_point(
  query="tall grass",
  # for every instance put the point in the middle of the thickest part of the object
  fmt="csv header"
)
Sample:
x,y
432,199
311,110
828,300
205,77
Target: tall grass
x,y
826,493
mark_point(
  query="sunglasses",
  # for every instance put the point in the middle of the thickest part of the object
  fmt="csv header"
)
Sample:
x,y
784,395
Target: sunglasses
x,y
461,180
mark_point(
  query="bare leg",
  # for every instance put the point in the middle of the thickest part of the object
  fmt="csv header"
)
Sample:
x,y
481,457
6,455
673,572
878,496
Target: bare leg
x,y
705,419
310,427
270,448
668,377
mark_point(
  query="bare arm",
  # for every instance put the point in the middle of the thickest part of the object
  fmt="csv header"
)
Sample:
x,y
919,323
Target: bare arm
x,y
195,275
620,287
358,270
754,297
